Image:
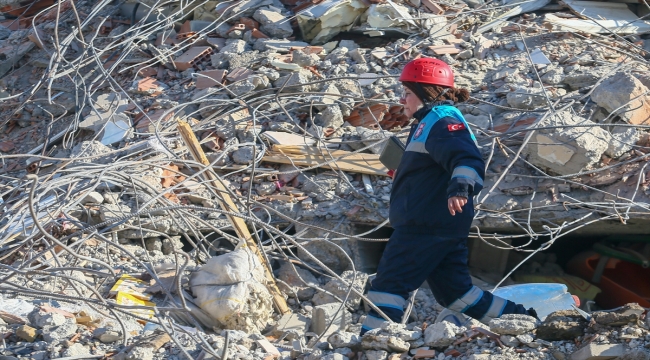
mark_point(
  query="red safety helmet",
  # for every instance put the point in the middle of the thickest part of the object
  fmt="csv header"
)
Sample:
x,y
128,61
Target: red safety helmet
x,y
428,71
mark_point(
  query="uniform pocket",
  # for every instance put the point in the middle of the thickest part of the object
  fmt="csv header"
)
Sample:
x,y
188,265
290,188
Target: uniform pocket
x,y
399,204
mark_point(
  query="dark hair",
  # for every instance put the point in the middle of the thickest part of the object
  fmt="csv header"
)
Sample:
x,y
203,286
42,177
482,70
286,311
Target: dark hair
x,y
429,93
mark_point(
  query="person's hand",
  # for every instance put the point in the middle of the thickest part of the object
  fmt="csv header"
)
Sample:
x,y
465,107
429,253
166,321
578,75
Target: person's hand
x,y
456,203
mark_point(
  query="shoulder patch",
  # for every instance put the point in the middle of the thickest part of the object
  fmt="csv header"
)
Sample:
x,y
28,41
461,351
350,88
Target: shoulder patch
x,y
419,130
456,127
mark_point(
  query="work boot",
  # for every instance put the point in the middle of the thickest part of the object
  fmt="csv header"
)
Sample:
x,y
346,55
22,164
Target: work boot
x,y
453,317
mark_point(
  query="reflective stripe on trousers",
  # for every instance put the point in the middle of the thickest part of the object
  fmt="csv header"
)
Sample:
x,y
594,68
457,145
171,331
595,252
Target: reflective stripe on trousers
x,y
472,297
386,302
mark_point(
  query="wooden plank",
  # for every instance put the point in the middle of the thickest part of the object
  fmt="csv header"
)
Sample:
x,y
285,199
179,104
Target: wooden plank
x,y
226,203
311,156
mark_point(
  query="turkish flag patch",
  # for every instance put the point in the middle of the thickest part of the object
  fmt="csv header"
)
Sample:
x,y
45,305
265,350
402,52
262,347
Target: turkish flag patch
x,y
455,127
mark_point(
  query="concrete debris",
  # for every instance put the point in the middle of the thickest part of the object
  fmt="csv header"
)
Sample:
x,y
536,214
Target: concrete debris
x,y
513,324
629,313
292,325
342,339
373,341
329,318
440,334
624,96
568,151
562,325
340,289
291,102
320,23
303,284
601,352
273,23
76,350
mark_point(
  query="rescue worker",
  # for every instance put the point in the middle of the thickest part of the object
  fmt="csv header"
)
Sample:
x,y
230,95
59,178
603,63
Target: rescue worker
x,y
431,207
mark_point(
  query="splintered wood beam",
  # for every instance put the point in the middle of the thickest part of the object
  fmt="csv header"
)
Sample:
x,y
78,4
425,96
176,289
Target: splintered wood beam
x,y
302,155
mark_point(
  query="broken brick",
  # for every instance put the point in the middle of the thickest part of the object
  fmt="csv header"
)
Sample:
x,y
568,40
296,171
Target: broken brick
x,y
147,72
312,50
445,49
238,74
147,84
258,34
38,40
424,354
433,7
107,27
240,27
209,78
185,28
213,142
368,116
249,23
453,352
148,124
192,57
6,146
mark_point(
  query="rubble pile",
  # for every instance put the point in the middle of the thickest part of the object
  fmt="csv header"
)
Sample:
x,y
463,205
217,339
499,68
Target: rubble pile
x,y
197,179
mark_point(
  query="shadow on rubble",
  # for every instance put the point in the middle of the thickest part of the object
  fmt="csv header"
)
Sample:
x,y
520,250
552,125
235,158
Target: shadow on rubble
x,y
365,41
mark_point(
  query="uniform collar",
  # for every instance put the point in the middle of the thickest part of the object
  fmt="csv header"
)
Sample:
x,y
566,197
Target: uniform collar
x,y
420,114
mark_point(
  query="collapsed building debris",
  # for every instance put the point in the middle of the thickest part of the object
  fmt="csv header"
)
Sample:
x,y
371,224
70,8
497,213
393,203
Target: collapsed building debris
x,y
201,180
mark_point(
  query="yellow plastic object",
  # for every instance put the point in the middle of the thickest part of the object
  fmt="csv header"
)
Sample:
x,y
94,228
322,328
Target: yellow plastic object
x,y
575,285
127,299
129,285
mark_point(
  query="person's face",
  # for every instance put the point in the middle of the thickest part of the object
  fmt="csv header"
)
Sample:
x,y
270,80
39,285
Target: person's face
x,y
411,102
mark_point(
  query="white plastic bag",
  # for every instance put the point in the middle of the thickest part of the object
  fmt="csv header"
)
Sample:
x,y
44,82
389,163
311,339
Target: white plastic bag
x,y
231,289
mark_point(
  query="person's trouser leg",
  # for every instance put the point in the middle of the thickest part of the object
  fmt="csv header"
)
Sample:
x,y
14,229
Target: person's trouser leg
x,y
405,264
452,287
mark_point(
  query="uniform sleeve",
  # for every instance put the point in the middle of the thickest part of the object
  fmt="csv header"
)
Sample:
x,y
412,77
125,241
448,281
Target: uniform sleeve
x,y
455,150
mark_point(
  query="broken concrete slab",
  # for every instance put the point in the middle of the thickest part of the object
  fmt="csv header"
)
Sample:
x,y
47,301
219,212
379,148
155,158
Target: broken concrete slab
x,y
323,21
527,98
624,95
11,55
373,341
342,339
628,313
335,314
562,325
374,138
441,334
567,150
599,352
623,139
273,23
293,324
388,15
513,324
583,76
300,282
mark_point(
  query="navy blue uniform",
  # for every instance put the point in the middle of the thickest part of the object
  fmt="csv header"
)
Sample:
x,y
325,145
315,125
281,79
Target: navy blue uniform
x,y
441,160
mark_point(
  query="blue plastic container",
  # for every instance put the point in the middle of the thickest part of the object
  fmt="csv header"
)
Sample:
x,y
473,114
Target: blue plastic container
x,y
545,298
